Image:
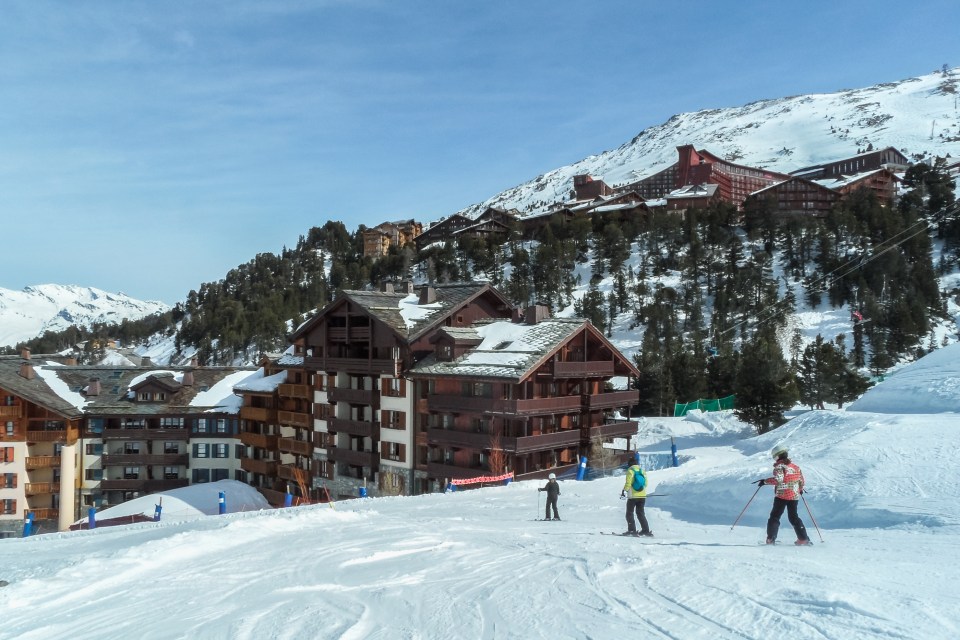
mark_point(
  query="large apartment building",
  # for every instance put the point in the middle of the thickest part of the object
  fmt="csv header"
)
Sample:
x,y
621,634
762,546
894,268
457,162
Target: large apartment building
x,y
76,437
387,416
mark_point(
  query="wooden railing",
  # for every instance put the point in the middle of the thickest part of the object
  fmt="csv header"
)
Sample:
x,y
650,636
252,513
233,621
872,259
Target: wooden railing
x,y
622,429
36,488
42,462
356,458
258,440
299,447
294,418
263,467
355,396
612,399
355,427
351,365
122,485
342,334
292,473
146,434
590,369
36,435
172,459
11,411
258,414
295,391
42,514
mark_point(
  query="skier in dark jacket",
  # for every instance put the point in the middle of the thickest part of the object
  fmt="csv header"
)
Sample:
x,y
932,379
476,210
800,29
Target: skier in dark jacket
x,y
636,500
789,486
553,492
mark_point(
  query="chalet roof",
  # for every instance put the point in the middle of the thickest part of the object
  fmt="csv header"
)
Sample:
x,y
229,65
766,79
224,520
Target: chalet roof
x,y
509,351
461,335
403,312
847,180
814,167
694,191
62,389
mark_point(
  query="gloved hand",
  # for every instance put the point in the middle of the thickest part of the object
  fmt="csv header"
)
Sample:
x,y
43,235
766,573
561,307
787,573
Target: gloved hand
x,y
540,489
623,494
759,482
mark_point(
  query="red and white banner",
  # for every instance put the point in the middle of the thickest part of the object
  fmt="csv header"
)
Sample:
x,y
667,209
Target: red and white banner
x,y
479,479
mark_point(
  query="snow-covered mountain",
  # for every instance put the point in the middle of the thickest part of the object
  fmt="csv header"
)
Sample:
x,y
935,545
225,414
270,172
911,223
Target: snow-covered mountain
x,y
29,313
918,116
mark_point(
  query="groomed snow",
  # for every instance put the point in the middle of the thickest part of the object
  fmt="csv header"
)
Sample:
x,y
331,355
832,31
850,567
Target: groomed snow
x,y
475,564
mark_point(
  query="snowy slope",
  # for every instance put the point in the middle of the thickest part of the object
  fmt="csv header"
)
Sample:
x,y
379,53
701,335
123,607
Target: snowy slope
x,y
29,313
918,116
475,564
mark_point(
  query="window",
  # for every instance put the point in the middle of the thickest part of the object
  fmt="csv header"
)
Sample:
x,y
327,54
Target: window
x,y
221,450
477,389
133,423
201,475
93,474
132,448
239,451
222,425
201,450
95,425
171,473
171,447
94,449
220,474
9,481
393,419
9,428
8,401
171,423
6,454
392,451
447,421
445,352
201,426
9,507
131,473
395,387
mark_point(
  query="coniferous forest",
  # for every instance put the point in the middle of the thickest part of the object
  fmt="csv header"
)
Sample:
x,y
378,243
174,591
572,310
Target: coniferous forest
x,y
709,294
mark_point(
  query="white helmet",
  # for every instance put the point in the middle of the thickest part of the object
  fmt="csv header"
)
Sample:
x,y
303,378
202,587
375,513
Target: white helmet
x,y
778,451
552,476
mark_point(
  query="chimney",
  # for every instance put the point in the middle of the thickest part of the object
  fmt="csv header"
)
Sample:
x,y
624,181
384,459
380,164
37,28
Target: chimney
x,y
25,353
536,313
145,361
70,361
187,378
428,295
194,362
386,286
93,387
26,371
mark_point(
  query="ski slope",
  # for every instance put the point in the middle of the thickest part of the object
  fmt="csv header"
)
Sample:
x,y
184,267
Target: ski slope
x,y
476,564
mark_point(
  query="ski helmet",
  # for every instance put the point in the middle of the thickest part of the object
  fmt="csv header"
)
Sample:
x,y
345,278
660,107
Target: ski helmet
x,y
552,476
778,451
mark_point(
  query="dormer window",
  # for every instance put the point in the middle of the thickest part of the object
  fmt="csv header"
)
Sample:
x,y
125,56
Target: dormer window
x,y
445,352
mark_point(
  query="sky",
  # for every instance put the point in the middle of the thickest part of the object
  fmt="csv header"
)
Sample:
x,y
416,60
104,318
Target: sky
x,y
879,505
194,136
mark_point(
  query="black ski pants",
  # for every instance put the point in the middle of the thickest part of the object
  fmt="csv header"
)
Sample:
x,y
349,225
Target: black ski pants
x,y
773,524
552,502
636,504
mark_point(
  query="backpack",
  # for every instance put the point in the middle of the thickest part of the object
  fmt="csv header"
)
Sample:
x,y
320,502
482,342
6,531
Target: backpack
x,y
639,482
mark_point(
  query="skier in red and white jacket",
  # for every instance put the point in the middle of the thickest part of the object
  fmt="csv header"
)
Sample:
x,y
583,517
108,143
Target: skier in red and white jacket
x,y
789,486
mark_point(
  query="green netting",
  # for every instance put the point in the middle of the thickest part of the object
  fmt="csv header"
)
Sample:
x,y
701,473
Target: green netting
x,y
714,404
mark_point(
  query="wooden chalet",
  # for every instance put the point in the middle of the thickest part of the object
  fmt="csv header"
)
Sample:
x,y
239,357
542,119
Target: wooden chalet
x,y
796,197
888,158
378,240
526,396
443,230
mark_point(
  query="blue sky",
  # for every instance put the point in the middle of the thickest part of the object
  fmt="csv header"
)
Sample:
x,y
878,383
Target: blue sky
x,y
148,147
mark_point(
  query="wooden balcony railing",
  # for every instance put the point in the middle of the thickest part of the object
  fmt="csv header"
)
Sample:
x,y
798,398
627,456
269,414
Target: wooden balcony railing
x,y
298,447
258,440
295,391
42,514
170,459
47,436
37,488
461,404
622,429
441,470
146,434
545,441
295,418
258,414
353,334
355,427
11,411
165,484
452,438
351,365
612,399
292,473
323,440
356,458
42,462
263,467
354,396
590,369
522,444
122,485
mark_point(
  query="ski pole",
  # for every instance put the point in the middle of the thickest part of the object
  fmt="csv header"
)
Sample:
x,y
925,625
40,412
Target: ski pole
x,y
745,507
538,503
811,517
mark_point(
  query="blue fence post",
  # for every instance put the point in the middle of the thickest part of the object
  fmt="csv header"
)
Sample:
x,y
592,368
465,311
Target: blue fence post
x,y
223,502
582,469
363,492
288,500
92,518
673,452
157,509
28,525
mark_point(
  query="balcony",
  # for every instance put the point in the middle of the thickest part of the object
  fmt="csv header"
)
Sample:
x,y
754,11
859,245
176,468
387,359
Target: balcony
x,y
355,458
295,419
353,334
263,467
297,447
302,391
11,411
441,470
590,369
170,459
466,404
258,414
367,366
323,440
153,486
42,514
293,473
543,442
623,429
47,436
354,427
612,399
354,396
42,462
258,440
122,485
38,488
468,439
146,434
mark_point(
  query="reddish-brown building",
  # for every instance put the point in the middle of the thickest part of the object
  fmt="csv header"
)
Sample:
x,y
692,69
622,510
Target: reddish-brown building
x,y
378,240
888,158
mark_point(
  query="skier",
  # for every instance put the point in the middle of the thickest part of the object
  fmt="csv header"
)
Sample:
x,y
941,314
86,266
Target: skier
x,y
789,486
638,496
553,492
